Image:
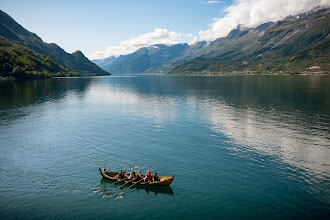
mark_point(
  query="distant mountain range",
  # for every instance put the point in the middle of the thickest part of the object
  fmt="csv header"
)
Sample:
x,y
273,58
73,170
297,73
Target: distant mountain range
x,y
158,58
25,51
297,44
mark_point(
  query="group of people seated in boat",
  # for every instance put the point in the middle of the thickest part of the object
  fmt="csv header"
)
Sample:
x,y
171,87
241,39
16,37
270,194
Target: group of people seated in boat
x,y
135,177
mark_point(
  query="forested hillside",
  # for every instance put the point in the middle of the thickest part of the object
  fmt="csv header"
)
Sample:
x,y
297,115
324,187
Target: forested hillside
x,y
23,51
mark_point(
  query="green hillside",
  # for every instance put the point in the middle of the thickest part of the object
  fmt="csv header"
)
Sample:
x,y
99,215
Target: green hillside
x,y
22,62
15,38
298,44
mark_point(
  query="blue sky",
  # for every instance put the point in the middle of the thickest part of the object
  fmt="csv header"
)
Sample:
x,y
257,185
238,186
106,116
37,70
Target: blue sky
x,y
103,28
94,25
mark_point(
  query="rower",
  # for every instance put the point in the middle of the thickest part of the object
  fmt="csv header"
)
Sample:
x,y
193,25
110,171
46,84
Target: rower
x,y
149,176
138,176
125,176
104,170
156,178
131,175
119,175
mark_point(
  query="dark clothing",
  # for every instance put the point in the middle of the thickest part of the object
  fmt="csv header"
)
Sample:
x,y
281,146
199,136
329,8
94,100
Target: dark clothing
x,y
156,178
121,175
138,177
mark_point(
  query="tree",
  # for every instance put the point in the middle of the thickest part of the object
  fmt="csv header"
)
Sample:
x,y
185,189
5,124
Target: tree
x,y
18,70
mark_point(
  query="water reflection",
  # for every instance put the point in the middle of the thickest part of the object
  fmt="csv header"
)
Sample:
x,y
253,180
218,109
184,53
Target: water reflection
x,y
156,190
266,133
148,189
17,93
287,117
265,138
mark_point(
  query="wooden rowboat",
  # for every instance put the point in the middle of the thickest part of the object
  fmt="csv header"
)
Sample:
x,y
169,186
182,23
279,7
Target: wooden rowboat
x,y
163,180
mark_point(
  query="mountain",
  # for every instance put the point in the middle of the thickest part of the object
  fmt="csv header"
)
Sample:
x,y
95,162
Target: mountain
x,y
107,63
157,58
15,37
22,62
297,44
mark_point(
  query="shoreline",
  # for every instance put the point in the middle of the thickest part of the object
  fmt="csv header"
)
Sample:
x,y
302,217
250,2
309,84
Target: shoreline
x,y
251,74
10,78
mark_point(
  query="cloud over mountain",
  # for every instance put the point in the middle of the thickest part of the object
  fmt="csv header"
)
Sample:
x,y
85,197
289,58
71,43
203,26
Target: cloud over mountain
x,y
159,36
252,13
249,13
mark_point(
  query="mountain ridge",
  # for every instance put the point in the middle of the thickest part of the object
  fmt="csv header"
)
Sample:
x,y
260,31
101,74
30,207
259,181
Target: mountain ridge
x,y
292,45
18,36
275,48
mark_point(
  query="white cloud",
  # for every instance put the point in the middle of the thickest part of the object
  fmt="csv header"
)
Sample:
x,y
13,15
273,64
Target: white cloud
x,y
159,36
210,2
252,13
213,2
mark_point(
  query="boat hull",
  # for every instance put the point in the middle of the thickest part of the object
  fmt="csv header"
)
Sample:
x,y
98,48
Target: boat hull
x,y
164,180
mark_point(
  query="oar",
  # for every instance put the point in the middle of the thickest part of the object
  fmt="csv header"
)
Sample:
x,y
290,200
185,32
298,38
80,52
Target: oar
x,y
128,188
95,191
116,188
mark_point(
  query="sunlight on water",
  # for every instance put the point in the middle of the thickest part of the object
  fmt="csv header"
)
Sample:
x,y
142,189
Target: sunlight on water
x,y
239,146
266,133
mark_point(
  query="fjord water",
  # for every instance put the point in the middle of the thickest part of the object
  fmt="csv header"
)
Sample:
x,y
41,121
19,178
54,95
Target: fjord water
x,y
239,146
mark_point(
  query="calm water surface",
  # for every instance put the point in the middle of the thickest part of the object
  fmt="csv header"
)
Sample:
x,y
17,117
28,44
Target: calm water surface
x,y
239,146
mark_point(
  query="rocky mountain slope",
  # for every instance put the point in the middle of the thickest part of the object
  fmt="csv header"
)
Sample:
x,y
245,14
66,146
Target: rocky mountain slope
x,y
297,44
154,59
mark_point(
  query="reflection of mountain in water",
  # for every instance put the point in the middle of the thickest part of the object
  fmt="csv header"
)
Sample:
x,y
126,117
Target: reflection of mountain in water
x,y
18,96
283,116
15,93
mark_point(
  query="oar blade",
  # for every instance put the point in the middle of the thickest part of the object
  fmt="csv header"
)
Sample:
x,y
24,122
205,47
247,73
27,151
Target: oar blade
x,y
116,188
127,188
97,190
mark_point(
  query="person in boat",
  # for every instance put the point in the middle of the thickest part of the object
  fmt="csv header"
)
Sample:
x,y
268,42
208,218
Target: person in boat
x,y
145,179
104,170
131,175
148,177
119,176
125,176
156,178
138,176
